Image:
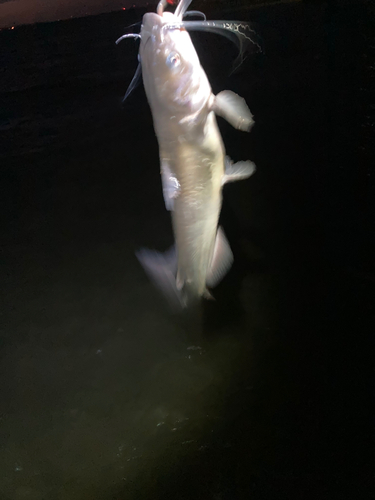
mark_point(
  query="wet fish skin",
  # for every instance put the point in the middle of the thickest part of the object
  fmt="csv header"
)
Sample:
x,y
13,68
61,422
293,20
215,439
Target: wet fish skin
x,y
193,163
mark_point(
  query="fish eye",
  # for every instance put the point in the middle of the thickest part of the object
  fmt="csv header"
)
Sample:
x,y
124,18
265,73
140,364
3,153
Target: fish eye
x,y
173,60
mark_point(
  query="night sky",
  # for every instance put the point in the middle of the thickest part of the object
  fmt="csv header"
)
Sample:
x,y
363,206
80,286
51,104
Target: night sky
x,y
16,12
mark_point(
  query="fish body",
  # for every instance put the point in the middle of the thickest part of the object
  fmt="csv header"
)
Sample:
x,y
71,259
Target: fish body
x,y
193,164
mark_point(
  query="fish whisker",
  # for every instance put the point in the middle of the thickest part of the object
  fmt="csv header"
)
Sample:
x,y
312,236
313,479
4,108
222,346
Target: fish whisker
x,y
129,35
196,13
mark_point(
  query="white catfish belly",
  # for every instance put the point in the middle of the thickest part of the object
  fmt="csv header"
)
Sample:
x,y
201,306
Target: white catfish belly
x,y
195,226
199,168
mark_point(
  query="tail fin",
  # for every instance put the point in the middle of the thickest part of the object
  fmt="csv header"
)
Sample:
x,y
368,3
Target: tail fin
x,y
162,270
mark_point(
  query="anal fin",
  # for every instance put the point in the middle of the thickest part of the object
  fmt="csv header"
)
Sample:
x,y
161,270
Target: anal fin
x,y
222,260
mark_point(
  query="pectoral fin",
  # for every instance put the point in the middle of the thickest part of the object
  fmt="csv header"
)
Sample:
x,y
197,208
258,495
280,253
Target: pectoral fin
x,y
135,81
222,260
234,109
237,171
171,186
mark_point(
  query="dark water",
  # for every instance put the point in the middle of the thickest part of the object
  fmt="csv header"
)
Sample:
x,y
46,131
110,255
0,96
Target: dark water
x,y
266,395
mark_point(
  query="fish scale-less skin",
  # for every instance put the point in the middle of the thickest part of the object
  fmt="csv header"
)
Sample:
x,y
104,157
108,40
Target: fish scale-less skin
x,y
199,168
195,219
190,145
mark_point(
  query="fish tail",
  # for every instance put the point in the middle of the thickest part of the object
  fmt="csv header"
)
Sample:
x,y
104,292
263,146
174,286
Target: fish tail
x,y
161,268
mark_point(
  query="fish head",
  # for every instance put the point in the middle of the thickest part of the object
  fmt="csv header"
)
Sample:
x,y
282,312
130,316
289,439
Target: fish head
x,y
173,77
